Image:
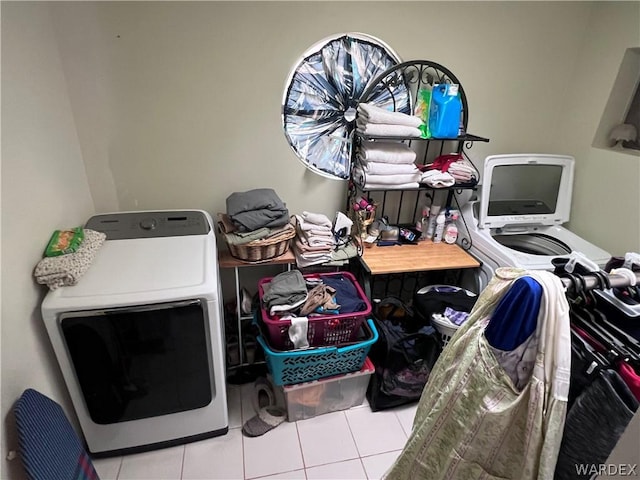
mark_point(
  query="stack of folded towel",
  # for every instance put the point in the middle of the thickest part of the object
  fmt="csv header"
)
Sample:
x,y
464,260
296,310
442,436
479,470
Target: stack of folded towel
x,y
386,165
314,240
255,209
66,270
449,170
376,121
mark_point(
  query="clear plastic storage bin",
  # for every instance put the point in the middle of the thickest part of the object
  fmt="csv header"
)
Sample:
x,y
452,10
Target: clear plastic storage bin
x,y
307,400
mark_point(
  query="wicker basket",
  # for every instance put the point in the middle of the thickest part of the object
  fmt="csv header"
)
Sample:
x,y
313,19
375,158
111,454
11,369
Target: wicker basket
x,y
264,249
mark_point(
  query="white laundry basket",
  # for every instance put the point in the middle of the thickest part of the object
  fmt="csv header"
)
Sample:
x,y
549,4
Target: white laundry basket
x,y
445,328
443,325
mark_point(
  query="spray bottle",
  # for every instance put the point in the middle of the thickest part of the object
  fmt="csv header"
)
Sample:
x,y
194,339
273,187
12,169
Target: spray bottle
x,y
439,230
451,229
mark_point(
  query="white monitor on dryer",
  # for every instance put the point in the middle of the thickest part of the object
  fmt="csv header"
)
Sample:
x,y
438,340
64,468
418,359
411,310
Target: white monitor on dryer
x,y
526,189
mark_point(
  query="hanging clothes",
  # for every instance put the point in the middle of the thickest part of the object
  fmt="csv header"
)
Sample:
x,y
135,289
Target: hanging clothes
x,y
605,408
471,421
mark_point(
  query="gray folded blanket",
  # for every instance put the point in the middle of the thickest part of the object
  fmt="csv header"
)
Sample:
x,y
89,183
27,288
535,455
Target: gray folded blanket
x,y
257,208
67,269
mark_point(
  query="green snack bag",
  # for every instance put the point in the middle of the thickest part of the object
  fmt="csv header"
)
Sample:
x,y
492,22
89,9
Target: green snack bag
x,y
423,105
64,241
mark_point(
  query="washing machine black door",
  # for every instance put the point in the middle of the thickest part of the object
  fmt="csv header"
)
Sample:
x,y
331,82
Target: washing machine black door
x,y
135,363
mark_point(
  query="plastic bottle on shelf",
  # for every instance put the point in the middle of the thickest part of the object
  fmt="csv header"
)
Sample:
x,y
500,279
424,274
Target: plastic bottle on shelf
x,y
451,229
439,230
424,222
431,226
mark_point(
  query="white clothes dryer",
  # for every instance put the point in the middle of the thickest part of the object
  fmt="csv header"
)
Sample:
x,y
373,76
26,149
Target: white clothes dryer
x,y
518,218
140,338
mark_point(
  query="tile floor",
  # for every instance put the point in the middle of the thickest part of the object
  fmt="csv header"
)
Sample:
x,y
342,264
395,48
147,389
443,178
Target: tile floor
x,y
346,445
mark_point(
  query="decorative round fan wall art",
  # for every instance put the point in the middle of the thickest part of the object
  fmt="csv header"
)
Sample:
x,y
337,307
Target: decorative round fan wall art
x,y
322,94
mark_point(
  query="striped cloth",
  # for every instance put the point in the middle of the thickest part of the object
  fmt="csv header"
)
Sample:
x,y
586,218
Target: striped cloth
x,y
49,446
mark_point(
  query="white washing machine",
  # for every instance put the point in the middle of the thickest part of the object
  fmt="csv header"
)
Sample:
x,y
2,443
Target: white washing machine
x,y
139,339
518,218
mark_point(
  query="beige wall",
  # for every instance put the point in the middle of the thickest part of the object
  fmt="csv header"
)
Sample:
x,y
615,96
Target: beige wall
x,y
153,105
606,197
190,95
44,187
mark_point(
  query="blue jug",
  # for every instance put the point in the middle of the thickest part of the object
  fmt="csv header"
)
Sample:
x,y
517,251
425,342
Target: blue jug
x,y
445,111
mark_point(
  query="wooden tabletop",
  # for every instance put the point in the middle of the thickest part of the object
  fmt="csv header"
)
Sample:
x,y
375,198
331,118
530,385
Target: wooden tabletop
x,y
225,260
423,256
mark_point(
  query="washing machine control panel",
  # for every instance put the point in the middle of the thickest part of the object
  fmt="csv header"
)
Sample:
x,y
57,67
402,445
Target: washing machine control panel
x,y
151,224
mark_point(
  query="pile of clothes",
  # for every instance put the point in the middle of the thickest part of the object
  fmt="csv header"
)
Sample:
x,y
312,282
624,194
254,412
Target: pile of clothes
x,y
255,209
294,297
319,241
257,214
449,170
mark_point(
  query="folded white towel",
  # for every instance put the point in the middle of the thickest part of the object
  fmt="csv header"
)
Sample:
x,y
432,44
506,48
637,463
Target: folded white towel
x,y
388,152
380,168
365,179
388,130
316,218
401,186
373,114
67,269
437,179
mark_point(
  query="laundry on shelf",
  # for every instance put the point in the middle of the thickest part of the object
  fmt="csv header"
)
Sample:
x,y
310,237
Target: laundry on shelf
x,y
449,167
386,152
386,181
317,243
254,209
376,121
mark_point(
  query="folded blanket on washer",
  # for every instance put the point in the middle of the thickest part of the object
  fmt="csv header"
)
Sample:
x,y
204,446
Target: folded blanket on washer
x,y
67,269
373,114
388,130
379,168
388,152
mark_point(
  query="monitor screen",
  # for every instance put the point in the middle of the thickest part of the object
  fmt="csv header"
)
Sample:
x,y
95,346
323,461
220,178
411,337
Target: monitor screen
x,y
524,189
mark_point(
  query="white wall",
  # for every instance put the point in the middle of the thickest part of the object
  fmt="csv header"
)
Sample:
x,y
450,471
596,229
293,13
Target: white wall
x,y
44,187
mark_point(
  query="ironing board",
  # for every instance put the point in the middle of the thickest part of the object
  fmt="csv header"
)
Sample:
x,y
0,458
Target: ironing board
x,y
49,446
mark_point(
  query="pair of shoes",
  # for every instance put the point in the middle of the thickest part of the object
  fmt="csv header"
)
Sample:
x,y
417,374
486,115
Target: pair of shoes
x,y
266,419
245,301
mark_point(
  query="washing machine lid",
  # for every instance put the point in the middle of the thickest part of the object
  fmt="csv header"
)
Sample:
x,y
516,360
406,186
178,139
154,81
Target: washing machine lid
x,y
144,270
526,189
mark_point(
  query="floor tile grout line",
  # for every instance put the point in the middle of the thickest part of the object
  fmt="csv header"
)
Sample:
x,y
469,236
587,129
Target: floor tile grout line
x,y
401,425
304,465
184,454
119,468
353,437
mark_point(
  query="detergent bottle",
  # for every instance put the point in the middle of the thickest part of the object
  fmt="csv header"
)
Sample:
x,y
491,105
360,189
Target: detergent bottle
x,y
445,111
